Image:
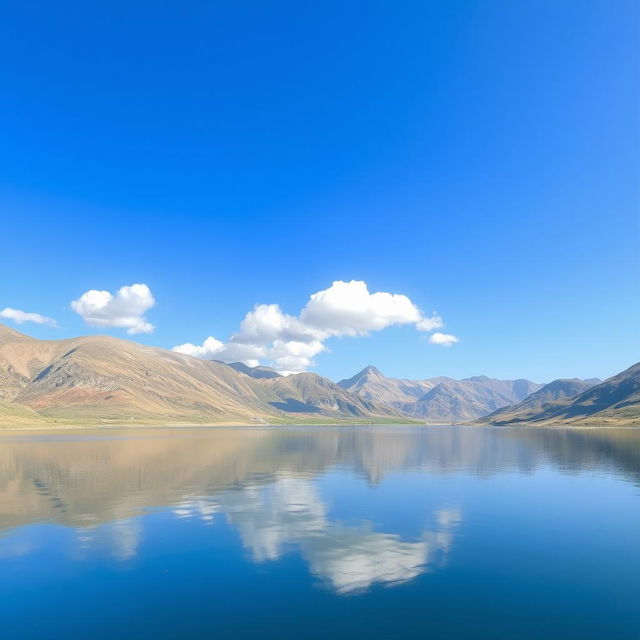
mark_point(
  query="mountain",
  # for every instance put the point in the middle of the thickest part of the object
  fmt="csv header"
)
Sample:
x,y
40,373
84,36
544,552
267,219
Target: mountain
x,y
311,393
441,400
556,391
98,379
370,383
615,401
254,372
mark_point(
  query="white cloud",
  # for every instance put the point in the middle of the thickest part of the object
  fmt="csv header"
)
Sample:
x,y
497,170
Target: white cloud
x,y
206,351
212,349
124,310
430,324
293,355
443,339
250,354
20,317
348,309
289,343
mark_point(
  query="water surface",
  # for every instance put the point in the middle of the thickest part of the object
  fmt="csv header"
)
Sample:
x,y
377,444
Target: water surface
x,y
363,532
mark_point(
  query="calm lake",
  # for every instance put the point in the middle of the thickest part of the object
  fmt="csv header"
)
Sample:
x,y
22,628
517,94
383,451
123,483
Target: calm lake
x,y
320,532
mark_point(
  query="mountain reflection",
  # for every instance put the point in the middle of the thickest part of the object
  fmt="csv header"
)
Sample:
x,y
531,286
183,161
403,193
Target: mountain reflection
x,y
265,484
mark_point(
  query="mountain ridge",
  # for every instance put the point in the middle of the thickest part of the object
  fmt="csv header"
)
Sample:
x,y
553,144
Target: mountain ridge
x,y
439,399
561,390
105,379
616,401
97,379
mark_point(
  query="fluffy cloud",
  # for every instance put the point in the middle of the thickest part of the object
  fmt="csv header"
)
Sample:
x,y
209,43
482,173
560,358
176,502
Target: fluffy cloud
x,y
212,349
443,339
348,309
289,343
292,355
124,310
20,317
206,351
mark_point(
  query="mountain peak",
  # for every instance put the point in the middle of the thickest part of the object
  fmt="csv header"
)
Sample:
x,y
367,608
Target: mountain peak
x,y
361,377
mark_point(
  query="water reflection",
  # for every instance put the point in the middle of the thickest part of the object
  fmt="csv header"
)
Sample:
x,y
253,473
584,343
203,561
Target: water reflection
x,y
266,485
121,538
289,511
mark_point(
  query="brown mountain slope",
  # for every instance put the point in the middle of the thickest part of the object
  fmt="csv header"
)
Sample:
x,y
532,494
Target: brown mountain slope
x,y
554,392
18,415
311,393
99,378
614,402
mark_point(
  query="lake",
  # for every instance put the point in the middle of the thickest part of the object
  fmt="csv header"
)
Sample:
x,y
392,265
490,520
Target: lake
x,y
320,532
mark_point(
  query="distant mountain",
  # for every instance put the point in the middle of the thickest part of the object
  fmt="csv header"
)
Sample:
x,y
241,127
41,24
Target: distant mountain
x,y
254,372
98,379
440,400
615,401
556,391
370,383
311,393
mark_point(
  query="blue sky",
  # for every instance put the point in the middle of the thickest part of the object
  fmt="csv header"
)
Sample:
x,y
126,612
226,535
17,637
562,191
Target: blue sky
x,y
479,158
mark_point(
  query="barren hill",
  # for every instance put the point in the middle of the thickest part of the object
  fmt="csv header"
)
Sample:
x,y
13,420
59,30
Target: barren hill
x,y
99,378
614,402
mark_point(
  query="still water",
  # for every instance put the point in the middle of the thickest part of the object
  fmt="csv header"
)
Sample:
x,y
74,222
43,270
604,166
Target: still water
x,y
294,532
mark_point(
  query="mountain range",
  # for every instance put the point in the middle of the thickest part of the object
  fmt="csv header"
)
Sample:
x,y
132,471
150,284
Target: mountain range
x,y
615,401
440,400
103,380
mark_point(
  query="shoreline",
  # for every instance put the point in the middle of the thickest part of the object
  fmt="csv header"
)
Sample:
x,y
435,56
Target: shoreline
x,y
4,429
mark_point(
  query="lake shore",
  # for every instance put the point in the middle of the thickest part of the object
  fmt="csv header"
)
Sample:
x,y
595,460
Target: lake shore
x,y
69,426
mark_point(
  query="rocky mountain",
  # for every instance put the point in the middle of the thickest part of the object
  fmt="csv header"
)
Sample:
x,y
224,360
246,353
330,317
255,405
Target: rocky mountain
x,y
614,402
440,400
556,391
98,379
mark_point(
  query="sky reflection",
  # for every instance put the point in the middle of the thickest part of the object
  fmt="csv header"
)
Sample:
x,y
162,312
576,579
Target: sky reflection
x,y
269,487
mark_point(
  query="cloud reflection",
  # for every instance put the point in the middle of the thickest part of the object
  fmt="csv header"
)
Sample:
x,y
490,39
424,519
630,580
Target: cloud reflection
x,y
121,538
202,508
267,484
288,513
350,558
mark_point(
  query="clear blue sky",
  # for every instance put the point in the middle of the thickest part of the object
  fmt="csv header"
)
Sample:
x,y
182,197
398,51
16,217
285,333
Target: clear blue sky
x,y
479,157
